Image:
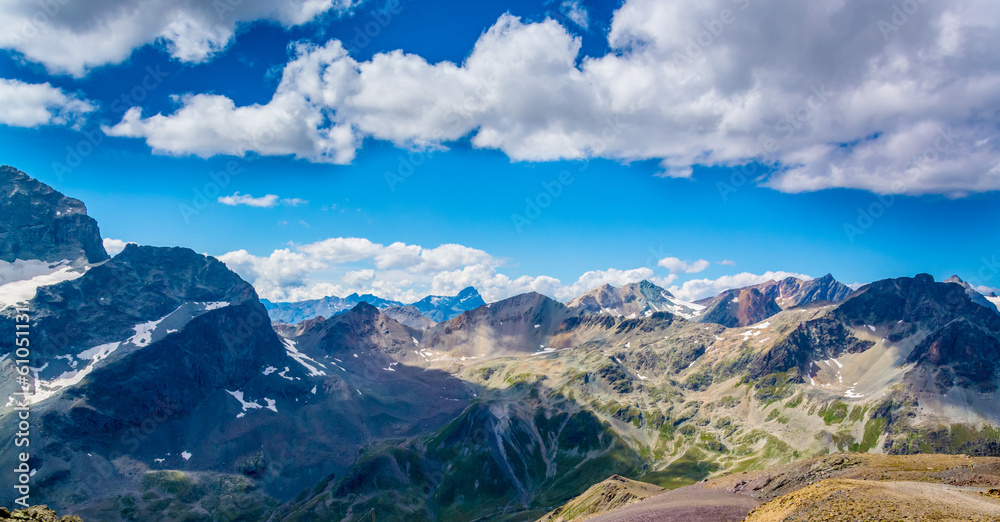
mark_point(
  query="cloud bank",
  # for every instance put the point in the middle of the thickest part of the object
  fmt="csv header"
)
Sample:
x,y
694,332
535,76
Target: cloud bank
x,y
404,272
794,95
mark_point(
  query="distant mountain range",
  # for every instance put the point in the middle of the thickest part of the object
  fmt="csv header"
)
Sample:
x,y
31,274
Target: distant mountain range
x,y
164,389
432,308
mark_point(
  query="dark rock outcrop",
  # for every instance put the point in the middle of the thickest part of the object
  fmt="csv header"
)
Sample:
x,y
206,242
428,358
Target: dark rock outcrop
x,y
817,339
38,222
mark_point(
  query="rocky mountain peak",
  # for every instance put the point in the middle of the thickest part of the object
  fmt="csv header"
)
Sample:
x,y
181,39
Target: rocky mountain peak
x,y
38,222
467,292
363,309
442,308
642,298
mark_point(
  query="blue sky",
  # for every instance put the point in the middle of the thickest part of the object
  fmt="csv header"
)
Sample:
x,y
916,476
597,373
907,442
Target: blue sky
x,y
654,194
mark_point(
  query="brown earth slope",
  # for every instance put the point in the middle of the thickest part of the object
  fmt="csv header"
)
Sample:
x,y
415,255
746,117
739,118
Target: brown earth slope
x,y
843,486
613,493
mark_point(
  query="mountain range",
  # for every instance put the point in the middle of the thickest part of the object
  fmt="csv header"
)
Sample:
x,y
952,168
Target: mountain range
x,y
425,312
166,389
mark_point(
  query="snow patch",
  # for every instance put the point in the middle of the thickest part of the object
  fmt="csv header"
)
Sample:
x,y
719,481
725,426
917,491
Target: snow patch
x,y
21,279
185,455
303,359
46,389
144,333
247,405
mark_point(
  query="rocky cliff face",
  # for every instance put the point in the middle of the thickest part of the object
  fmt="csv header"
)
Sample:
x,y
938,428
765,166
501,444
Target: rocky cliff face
x,y
37,222
139,285
741,307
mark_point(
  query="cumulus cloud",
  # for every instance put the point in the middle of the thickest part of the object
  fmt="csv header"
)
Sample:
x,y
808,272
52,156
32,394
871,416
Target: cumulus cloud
x,y
824,94
404,272
701,288
316,269
267,201
74,37
359,277
34,104
675,265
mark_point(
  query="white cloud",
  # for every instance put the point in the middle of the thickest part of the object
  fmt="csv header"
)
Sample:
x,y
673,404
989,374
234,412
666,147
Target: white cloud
x,y
675,265
814,89
115,246
701,288
727,262
267,201
208,124
33,104
987,290
494,285
491,284
359,277
74,37
340,266
576,12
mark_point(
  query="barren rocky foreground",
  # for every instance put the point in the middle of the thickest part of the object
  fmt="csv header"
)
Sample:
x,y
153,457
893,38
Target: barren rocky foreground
x,y
844,486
